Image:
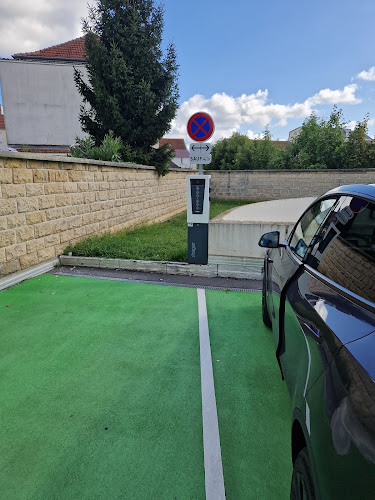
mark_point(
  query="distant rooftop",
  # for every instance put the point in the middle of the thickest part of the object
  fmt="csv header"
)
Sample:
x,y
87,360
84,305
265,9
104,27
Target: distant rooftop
x,y
72,50
2,121
174,143
282,145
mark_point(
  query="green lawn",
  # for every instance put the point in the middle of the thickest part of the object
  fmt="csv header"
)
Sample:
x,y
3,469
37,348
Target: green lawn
x,y
100,391
252,401
166,241
101,394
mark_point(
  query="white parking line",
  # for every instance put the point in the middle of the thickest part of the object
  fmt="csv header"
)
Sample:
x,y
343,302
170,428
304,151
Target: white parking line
x,y
213,468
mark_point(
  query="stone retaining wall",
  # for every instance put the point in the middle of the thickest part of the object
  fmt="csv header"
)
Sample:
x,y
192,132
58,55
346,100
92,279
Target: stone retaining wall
x,y
50,202
261,185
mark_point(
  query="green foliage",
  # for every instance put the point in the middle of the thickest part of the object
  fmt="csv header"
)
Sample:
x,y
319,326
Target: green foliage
x,y
321,144
132,86
108,150
241,153
358,153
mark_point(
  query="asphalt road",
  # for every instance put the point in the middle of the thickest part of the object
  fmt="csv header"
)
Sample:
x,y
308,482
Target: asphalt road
x,y
191,281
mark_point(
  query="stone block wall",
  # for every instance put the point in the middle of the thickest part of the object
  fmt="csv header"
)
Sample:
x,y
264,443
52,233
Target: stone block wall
x,y
262,185
50,202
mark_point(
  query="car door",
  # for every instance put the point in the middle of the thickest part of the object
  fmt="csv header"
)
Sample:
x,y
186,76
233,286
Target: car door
x,y
284,262
329,320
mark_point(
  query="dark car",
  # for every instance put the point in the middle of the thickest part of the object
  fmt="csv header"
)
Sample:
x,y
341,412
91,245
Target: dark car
x,y
319,299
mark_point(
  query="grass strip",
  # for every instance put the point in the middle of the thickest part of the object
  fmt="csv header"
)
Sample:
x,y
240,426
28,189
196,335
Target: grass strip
x,y
100,391
165,241
252,402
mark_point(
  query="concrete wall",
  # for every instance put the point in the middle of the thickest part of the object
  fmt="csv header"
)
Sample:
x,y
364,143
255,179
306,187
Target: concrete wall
x,y
260,185
41,103
50,202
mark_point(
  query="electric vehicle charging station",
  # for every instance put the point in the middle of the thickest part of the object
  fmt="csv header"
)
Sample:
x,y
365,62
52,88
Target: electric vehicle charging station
x,y
200,128
198,217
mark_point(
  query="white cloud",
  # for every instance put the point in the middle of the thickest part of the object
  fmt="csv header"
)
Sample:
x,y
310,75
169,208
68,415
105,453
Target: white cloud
x,y
252,135
346,96
230,113
367,75
351,125
32,25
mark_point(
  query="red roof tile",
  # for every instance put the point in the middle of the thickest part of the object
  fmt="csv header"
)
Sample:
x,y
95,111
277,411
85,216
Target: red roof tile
x,y
74,49
2,122
282,145
174,143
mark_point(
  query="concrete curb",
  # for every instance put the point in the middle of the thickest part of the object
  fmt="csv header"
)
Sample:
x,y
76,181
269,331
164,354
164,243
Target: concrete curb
x,y
31,272
179,268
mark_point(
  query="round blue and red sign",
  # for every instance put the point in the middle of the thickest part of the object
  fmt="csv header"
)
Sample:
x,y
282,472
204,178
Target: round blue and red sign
x,y
200,127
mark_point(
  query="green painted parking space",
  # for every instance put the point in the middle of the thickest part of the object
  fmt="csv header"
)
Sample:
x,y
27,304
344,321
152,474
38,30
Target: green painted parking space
x,y
100,391
252,402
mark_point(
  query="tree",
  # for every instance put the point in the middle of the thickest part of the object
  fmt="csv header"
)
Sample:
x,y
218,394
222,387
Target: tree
x,y
225,152
132,85
319,143
241,153
357,152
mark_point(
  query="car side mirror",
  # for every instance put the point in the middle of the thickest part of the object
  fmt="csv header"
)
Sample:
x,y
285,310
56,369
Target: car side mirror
x,y
270,240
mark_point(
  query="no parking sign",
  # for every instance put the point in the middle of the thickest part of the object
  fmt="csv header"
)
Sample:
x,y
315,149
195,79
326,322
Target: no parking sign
x,y
200,126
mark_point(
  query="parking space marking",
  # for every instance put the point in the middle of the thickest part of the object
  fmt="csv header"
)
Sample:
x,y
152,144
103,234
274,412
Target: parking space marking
x,y
213,467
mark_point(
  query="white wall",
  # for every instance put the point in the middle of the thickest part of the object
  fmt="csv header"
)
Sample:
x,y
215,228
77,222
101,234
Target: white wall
x,y
41,103
182,162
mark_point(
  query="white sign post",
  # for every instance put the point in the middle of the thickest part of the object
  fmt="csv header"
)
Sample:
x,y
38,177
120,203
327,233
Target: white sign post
x,y
200,154
200,159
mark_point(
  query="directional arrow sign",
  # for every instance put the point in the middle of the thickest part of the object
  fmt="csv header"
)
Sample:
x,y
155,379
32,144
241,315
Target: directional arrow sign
x,y
200,159
199,148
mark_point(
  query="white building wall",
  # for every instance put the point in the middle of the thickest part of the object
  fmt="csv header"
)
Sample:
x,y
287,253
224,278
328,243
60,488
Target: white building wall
x,y
41,103
181,162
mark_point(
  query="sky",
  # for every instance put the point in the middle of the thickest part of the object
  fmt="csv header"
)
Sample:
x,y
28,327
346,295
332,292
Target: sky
x,y
249,64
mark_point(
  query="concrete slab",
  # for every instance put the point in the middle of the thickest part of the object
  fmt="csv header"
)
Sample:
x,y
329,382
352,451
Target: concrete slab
x,y
234,235
267,212
161,278
31,272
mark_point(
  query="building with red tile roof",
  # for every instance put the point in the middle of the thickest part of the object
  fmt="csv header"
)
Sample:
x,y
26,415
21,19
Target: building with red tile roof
x,y
40,98
173,143
181,157
74,50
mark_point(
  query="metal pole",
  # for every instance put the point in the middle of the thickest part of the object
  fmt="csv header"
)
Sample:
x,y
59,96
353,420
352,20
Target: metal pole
x,y
200,169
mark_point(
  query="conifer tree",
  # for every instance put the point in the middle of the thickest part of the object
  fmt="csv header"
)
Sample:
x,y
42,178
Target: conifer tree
x,y
132,84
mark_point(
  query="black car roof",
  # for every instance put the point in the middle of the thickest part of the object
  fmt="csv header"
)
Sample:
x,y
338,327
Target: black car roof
x,y
364,190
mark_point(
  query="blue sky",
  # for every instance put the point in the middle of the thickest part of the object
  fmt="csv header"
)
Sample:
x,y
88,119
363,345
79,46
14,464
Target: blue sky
x,y
248,64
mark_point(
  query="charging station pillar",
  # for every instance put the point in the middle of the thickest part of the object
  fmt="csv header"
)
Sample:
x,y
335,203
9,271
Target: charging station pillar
x,y
198,217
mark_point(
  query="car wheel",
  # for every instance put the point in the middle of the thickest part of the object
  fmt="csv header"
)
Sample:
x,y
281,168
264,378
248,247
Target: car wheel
x,y
265,316
302,487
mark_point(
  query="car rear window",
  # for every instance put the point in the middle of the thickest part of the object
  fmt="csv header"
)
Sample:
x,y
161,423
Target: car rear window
x,y
344,249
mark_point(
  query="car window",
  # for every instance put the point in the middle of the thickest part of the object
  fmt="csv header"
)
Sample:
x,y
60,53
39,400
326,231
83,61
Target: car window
x,y
344,249
308,225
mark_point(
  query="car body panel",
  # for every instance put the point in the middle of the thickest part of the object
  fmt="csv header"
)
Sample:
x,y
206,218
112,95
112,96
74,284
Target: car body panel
x,y
342,430
323,325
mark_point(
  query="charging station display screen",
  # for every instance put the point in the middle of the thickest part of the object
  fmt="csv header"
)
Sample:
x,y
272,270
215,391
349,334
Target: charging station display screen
x,y
197,195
